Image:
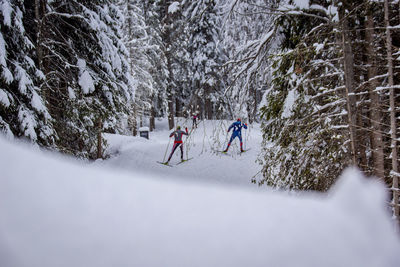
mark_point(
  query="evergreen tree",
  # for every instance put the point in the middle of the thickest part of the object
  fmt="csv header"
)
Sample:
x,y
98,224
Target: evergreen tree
x,y
137,41
157,59
88,79
206,58
304,105
249,36
167,34
23,112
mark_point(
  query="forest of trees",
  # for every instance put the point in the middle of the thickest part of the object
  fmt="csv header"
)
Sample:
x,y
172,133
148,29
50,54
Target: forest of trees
x,y
322,76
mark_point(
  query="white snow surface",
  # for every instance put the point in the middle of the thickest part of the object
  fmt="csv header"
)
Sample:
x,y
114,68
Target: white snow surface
x,y
59,212
142,129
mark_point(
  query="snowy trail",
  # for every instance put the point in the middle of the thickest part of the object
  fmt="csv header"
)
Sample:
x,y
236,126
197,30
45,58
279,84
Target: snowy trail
x,y
55,211
139,154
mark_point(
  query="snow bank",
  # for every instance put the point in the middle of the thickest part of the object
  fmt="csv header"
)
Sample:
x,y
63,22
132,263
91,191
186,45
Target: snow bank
x,y
55,212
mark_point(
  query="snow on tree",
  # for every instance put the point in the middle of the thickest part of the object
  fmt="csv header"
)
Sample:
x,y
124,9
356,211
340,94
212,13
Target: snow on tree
x,y
304,123
328,96
249,38
206,58
171,41
23,111
87,75
174,7
145,55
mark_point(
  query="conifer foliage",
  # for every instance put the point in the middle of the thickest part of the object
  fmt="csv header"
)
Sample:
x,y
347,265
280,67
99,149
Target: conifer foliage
x,y
206,58
304,110
66,78
332,98
23,112
86,68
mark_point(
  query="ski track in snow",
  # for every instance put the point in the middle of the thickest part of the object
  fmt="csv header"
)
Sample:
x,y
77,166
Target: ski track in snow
x,y
135,154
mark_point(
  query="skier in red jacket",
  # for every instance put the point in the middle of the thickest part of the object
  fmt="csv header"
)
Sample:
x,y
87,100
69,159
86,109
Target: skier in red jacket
x,y
178,141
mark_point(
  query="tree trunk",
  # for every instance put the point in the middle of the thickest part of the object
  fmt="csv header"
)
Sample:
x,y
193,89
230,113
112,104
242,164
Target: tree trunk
x,y
252,108
349,83
38,17
166,36
393,128
40,11
375,106
362,139
178,107
171,122
255,110
134,120
99,139
208,110
134,114
152,118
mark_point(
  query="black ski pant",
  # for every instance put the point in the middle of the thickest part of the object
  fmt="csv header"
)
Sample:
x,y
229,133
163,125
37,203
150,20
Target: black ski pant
x,y
174,148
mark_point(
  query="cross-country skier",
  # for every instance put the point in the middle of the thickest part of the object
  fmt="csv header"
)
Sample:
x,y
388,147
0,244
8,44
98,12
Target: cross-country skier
x,y
194,118
237,132
178,141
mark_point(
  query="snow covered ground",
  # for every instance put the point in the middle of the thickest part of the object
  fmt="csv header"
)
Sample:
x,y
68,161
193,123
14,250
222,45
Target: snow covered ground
x,y
55,211
139,154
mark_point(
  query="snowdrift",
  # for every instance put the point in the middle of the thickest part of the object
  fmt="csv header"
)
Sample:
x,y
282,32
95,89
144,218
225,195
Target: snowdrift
x,y
56,212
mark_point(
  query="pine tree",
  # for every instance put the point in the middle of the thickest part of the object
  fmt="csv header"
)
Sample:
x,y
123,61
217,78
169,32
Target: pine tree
x,y
304,106
23,112
87,75
206,58
329,96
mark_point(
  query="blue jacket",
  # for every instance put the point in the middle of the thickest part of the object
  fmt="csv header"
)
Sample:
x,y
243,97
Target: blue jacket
x,y
237,127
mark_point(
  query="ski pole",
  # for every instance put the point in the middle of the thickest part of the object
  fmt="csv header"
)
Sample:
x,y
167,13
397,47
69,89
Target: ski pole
x,y
245,139
226,140
166,150
186,142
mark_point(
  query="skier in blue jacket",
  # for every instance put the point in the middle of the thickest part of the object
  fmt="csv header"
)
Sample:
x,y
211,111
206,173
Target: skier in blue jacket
x,y
237,132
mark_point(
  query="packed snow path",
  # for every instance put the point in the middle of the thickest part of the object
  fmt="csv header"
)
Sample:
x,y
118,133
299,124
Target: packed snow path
x,y
58,212
235,168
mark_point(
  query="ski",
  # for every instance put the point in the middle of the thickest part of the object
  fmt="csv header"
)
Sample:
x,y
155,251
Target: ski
x,y
221,152
244,151
164,163
184,161
226,153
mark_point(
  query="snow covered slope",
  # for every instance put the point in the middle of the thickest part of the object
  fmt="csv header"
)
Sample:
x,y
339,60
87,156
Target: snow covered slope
x,y
57,212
